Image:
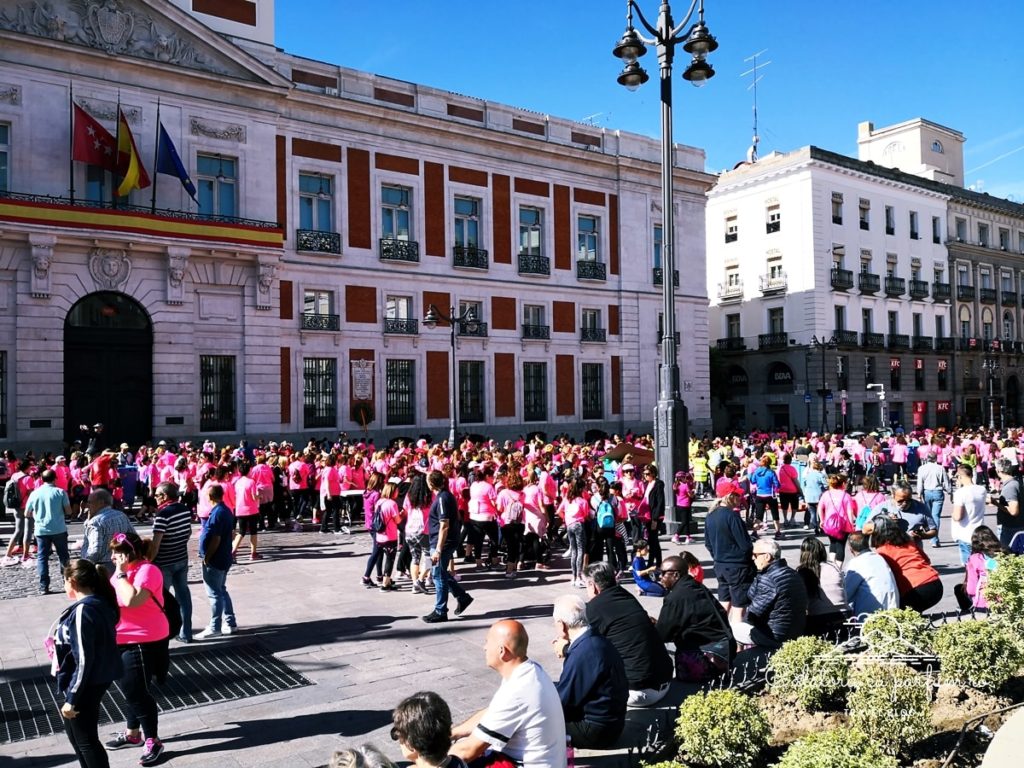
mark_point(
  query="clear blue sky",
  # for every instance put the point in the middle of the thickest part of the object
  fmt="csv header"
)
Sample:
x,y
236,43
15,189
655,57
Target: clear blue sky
x,y
834,63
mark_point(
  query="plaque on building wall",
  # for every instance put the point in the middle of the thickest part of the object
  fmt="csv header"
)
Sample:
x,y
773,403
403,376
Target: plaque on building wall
x,y
362,379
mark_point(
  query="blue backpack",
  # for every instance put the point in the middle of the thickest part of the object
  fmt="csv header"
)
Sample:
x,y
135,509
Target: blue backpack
x,y
605,515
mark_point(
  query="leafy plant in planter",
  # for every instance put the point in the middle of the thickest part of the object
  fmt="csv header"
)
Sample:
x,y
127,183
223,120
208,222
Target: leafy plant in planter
x,y
837,748
665,764
979,654
1005,589
891,700
810,672
897,632
722,729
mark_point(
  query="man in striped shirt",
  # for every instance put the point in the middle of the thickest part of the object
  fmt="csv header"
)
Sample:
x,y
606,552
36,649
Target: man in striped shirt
x,y
172,528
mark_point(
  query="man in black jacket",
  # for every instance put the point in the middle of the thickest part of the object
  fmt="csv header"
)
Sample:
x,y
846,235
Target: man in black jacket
x,y
728,542
778,601
617,615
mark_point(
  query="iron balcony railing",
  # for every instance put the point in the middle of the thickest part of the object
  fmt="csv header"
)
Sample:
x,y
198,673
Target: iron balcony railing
x,y
732,344
403,325
592,334
899,341
846,338
534,265
533,331
658,274
314,322
772,340
478,329
1010,298
730,291
393,249
773,283
591,270
470,257
868,282
922,343
772,226
317,242
942,291
895,286
919,289
945,344
987,295
842,279
965,293
870,340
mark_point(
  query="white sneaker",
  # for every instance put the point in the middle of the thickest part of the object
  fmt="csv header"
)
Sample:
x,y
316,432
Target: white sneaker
x,y
227,629
208,633
8,561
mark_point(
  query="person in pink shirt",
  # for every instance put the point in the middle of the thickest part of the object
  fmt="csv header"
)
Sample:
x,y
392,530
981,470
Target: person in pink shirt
x,y
387,539
263,475
63,473
899,452
415,509
534,539
575,510
330,492
247,511
512,518
684,493
483,515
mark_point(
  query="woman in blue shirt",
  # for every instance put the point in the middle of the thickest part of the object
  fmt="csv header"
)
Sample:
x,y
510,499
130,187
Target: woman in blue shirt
x,y
813,483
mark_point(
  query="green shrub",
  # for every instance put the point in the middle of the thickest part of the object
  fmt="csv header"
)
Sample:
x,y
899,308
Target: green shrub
x,y
897,632
722,728
1005,589
810,672
979,654
838,748
664,764
891,701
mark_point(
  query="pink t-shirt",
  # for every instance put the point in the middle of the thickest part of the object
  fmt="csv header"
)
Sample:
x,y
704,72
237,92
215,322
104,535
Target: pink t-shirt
x,y
482,498
575,510
899,453
247,502
505,498
389,511
145,623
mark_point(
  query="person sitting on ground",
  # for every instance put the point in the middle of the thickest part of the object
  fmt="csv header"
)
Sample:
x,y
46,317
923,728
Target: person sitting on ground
x,y
868,580
422,726
918,582
592,686
778,601
984,548
617,615
523,722
823,580
644,576
696,623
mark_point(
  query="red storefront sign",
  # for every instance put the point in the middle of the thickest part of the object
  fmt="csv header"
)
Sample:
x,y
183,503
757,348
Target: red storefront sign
x,y
920,411
943,406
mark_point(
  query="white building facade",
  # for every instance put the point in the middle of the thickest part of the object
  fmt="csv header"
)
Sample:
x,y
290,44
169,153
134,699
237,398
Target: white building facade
x,y
334,209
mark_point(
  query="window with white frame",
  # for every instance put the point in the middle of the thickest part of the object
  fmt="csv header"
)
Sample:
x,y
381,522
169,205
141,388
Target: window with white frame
x,y
217,185
837,207
840,317
317,302
467,223
965,323
531,231
961,229
1006,281
398,307
732,326
776,320
732,277
894,322
890,264
5,157
867,320
533,314
936,229
963,275
914,233
592,390
773,222
319,392
732,228
890,220
1008,326
865,261
986,279
983,235
838,255
864,208
471,391
535,391
588,238
401,393
775,272
395,212
1004,239
316,202
656,238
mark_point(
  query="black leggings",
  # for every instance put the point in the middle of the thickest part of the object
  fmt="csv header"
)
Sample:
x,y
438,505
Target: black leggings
x,y
83,729
615,549
838,547
923,597
141,706
387,551
685,517
478,529
512,535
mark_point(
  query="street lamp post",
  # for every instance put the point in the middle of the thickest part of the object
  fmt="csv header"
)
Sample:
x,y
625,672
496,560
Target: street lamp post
x,y
991,366
432,318
670,417
824,344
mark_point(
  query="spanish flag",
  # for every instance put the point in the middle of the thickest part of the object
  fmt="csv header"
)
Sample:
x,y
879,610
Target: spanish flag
x,y
129,164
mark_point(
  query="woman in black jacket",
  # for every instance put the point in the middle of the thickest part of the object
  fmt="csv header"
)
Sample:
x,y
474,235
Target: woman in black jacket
x,y
655,498
86,659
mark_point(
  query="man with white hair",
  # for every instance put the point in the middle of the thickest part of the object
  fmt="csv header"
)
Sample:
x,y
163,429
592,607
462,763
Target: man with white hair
x,y
778,601
592,686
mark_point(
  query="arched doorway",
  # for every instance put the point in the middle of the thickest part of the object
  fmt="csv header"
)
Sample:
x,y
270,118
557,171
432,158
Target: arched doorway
x,y
108,369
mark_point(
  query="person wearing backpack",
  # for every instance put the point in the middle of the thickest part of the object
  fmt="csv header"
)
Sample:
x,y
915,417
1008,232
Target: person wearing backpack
x,y
512,519
384,526
606,519
16,492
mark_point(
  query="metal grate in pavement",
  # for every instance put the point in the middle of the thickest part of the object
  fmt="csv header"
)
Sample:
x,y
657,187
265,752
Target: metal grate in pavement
x,y
29,709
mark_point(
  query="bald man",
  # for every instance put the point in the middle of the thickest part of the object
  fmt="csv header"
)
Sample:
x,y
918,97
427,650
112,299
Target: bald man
x,y
524,720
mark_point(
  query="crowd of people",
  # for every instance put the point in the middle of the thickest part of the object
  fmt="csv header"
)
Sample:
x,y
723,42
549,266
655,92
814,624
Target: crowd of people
x,y
433,510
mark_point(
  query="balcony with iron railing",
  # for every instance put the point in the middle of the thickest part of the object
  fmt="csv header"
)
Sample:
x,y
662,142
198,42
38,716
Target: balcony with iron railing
x,y
919,289
895,286
393,249
469,257
945,344
942,291
773,283
596,335
770,227
730,291
773,340
870,340
591,270
530,264
899,341
841,279
536,332
658,275
317,242
475,329
1010,298
987,295
732,344
845,338
922,343
868,282
316,322
401,325
965,292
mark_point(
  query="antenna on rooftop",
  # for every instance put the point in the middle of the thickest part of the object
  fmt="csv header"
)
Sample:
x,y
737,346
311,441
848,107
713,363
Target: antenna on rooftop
x,y
593,119
752,152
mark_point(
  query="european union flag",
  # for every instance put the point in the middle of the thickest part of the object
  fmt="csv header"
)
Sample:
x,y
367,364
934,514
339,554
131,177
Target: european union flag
x,y
168,161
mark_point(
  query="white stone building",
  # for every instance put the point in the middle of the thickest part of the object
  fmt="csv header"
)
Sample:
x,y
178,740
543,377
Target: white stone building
x,y
334,208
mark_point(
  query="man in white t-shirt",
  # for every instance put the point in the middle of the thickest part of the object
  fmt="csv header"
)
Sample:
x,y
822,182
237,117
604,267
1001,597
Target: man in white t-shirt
x,y
524,720
968,510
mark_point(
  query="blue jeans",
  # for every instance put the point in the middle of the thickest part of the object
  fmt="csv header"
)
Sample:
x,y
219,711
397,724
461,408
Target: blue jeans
x,y
176,579
58,541
934,501
444,583
965,552
221,609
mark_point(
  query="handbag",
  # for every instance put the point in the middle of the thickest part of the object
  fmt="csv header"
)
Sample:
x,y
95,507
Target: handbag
x,y
172,610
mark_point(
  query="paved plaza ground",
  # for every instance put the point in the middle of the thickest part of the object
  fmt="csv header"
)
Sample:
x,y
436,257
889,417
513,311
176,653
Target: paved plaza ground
x,y
361,649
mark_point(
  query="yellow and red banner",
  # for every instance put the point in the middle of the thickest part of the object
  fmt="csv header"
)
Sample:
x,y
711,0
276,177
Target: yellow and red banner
x,y
129,164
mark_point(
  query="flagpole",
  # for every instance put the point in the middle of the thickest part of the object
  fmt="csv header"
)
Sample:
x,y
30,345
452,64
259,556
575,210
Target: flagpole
x,y
117,152
156,158
71,142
